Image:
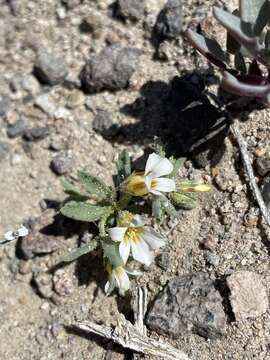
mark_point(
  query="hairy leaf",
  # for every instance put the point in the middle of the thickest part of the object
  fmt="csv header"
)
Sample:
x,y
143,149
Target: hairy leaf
x,y
169,209
111,251
93,185
210,48
82,211
156,208
71,189
78,252
184,201
123,166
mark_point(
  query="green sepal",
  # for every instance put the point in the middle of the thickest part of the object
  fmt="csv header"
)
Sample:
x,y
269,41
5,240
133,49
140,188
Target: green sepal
x,y
80,251
94,185
111,252
82,211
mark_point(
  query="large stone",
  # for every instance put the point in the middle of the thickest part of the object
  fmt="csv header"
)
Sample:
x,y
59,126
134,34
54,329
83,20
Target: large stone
x,y
169,22
50,69
188,303
111,69
248,295
45,235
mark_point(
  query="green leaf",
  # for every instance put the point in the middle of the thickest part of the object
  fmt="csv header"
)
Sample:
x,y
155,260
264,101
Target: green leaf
x,y
93,185
123,166
184,201
169,209
71,189
111,251
82,211
156,208
78,252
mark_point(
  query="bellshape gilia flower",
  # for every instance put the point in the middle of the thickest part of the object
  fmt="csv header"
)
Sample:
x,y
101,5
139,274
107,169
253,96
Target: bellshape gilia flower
x,y
141,183
138,240
118,278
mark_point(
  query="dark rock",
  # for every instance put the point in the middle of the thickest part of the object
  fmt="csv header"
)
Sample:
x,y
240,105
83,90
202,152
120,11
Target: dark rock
x,y
93,23
17,129
4,105
103,124
169,21
263,165
248,295
37,133
130,9
45,235
111,69
62,163
50,69
4,150
188,302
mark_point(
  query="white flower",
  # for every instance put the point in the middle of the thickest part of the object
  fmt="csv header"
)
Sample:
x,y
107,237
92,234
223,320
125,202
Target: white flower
x,y
137,239
12,235
118,278
151,180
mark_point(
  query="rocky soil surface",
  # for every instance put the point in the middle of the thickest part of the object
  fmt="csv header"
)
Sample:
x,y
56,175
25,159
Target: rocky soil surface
x,y
81,80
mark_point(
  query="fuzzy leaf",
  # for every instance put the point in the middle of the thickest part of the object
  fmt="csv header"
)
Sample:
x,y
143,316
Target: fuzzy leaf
x,y
169,209
240,31
82,211
80,251
71,189
156,208
93,185
210,48
184,201
231,84
111,251
123,166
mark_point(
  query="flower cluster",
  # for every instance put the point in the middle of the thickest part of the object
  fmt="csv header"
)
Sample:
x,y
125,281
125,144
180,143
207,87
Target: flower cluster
x,y
123,233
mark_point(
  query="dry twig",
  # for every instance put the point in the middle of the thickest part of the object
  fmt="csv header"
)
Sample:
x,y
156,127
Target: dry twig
x,y
249,170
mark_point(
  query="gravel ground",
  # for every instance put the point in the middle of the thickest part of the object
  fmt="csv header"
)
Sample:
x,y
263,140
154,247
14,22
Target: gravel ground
x,y
51,126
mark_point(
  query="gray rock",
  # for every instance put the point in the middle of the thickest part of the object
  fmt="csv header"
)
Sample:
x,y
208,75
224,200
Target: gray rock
x,y
130,9
30,84
93,23
4,105
37,133
17,129
62,163
103,124
263,165
111,69
169,21
211,259
50,69
46,104
4,151
248,295
188,303
45,235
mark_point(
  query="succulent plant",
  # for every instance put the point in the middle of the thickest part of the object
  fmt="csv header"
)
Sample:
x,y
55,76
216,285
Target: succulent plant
x,y
248,40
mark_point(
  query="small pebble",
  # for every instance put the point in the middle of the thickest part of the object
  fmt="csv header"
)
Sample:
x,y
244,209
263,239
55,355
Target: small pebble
x,y
62,163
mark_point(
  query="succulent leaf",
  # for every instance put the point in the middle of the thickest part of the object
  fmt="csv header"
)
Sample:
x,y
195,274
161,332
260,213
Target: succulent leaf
x,y
210,48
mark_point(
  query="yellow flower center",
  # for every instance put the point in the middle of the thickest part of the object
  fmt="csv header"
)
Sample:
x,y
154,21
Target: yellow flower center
x,y
125,219
153,184
133,234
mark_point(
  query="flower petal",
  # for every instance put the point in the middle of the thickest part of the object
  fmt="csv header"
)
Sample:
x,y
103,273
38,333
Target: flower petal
x,y
23,231
163,185
137,221
9,236
117,233
148,182
153,238
158,166
124,250
122,280
141,252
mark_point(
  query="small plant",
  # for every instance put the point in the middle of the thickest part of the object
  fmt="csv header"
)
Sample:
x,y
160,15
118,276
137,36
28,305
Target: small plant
x,y
248,40
120,212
